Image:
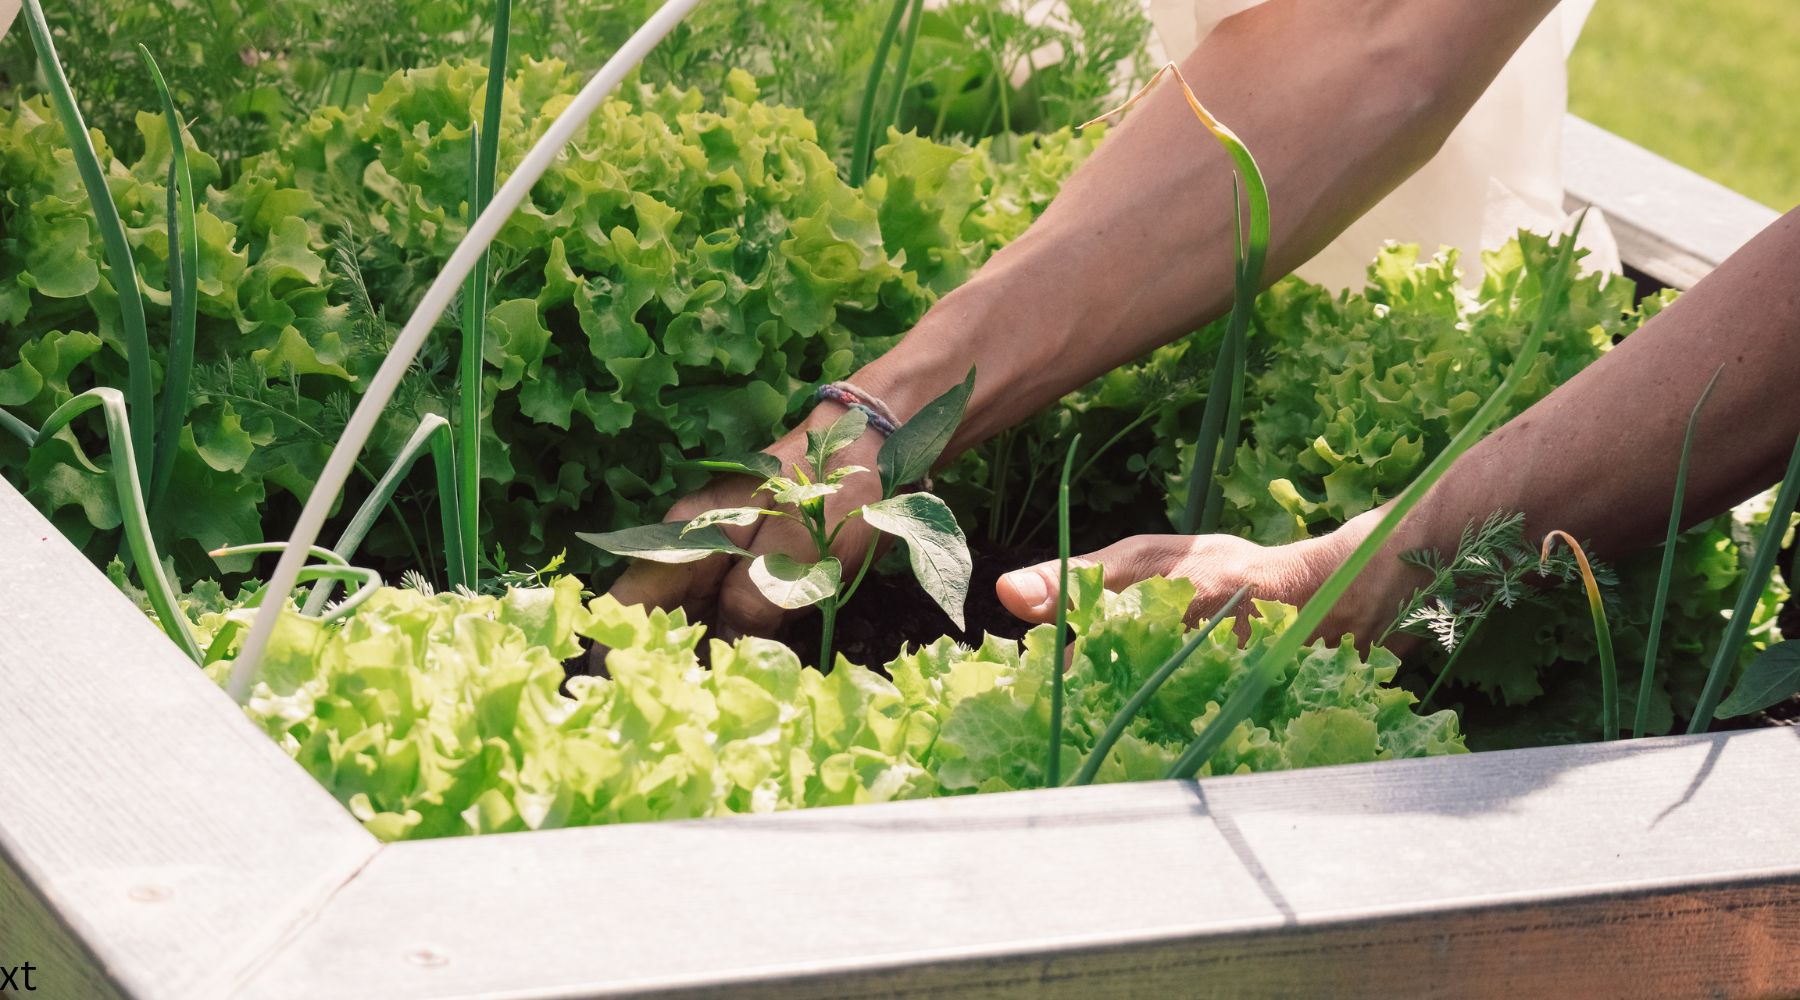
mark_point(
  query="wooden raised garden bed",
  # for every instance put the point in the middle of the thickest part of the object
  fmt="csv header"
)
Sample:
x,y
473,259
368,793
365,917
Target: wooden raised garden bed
x,y
154,843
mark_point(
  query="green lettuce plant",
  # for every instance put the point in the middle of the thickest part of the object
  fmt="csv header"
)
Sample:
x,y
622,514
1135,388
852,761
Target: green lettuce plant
x,y
626,332
1266,667
937,550
443,714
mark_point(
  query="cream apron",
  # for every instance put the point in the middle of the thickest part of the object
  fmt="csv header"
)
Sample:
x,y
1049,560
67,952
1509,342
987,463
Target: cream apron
x,y
1498,172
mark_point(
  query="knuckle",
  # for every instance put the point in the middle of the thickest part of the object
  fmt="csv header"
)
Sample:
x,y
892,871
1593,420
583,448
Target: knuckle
x,y
746,610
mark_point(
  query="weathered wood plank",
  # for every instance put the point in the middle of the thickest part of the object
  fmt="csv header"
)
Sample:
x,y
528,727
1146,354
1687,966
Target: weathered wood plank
x,y
1671,223
1521,872
171,837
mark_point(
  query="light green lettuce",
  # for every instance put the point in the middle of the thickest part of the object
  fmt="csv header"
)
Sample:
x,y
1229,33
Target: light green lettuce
x,y
434,715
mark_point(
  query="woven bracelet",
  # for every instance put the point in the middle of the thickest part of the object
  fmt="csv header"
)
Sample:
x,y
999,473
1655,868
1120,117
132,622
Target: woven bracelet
x,y
881,419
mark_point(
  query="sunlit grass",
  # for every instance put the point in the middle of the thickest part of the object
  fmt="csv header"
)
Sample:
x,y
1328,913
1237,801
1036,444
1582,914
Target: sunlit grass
x,y
1709,84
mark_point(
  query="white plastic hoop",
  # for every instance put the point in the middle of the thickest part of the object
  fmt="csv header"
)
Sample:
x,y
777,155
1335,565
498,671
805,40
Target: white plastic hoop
x,y
412,336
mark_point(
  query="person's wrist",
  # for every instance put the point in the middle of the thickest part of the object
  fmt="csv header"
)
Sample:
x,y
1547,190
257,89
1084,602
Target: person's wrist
x,y
1006,325
1375,595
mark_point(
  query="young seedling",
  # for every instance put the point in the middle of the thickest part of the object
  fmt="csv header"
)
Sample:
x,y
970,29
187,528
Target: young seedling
x,y
936,547
1312,614
1216,443
1609,669
1647,679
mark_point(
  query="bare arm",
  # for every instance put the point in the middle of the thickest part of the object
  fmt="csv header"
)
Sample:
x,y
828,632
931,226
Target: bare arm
x,y
1595,458
1340,100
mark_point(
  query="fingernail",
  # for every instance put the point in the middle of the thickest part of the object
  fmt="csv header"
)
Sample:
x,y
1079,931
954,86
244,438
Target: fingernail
x,y
1030,586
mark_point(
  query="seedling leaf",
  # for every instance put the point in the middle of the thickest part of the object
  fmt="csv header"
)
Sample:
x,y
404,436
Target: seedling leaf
x,y
843,432
1771,678
908,453
787,491
757,464
139,396
184,274
935,546
791,584
663,543
738,516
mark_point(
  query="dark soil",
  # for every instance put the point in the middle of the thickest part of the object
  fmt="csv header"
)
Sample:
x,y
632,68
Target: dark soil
x,y
890,610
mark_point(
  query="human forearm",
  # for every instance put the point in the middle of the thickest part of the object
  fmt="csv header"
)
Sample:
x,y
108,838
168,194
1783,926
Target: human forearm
x,y
1597,457
1339,100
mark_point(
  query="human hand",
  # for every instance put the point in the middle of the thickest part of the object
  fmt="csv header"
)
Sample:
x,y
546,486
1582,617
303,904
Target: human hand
x,y
718,589
1218,565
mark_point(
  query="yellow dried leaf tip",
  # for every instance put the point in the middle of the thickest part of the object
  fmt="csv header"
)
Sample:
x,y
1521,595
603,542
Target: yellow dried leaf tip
x,y
1212,124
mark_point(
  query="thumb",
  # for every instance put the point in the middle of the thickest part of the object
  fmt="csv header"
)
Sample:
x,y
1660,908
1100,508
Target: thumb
x,y
1030,593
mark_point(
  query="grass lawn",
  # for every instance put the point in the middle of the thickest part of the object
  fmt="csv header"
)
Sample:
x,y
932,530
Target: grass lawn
x,y
1712,84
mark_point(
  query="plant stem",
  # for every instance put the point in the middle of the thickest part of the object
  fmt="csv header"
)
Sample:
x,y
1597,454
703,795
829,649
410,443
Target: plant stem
x,y
997,476
1031,481
1224,399
468,376
868,560
1053,768
1206,442
904,66
1450,663
828,610
1087,464
1243,306
133,516
1609,669
1754,583
865,117
434,432
484,140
